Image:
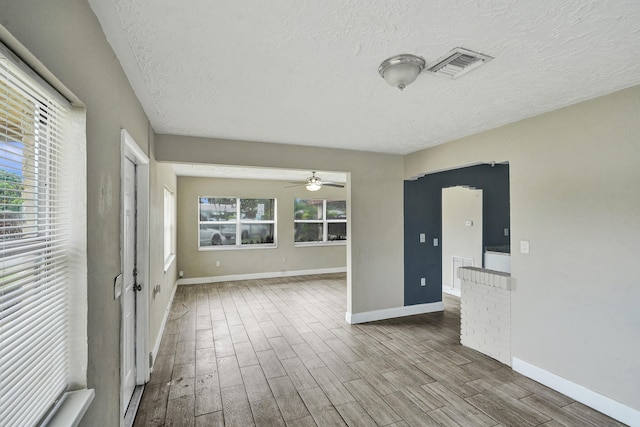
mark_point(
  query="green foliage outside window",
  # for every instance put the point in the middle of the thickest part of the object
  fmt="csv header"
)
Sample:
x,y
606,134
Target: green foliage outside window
x,y
11,188
308,209
318,220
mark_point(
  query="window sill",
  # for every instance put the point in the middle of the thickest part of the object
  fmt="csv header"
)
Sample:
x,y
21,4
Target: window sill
x,y
319,244
236,248
168,262
70,409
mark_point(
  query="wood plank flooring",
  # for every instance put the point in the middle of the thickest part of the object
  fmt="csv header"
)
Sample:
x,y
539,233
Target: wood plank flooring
x,y
277,352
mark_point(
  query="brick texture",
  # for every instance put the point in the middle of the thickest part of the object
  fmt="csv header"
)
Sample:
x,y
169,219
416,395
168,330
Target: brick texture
x,y
485,312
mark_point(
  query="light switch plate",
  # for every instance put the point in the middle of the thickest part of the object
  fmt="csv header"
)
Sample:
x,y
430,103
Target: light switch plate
x,y
423,238
524,246
435,241
117,286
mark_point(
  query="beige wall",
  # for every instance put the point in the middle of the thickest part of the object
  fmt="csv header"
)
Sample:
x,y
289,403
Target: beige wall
x,y
375,262
575,195
284,258
161,176
67,38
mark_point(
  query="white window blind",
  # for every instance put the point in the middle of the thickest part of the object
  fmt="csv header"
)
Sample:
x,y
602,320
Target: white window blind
x,y
34,287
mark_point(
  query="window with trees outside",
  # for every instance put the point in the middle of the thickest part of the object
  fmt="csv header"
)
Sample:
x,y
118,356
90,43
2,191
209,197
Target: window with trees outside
x,y
232,222
320,221
42,253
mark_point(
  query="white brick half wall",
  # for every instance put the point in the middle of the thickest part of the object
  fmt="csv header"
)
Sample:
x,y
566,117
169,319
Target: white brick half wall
x,y
485,312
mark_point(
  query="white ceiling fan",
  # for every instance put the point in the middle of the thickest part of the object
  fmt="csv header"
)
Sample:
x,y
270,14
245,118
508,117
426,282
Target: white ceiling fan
x,y
314,183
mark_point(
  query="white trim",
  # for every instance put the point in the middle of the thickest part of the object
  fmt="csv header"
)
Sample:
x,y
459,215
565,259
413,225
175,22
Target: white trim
x,y
320,244
70,409
236,247
390,313
580,393
156,347
168,262
173,226
253,276
77,238
131,150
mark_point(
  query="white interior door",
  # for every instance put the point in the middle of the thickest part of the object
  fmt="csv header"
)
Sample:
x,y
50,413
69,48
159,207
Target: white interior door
x,y
129,284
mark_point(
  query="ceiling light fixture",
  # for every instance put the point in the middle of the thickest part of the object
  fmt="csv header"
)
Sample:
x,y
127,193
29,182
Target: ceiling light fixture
x,y
313,186
401,70
314,183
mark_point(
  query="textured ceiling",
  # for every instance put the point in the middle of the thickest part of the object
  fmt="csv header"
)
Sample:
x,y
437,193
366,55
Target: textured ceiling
x,y
305,72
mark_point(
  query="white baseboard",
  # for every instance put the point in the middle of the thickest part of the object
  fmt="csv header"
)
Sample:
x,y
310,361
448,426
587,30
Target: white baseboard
x,y
156,346
253,276
579,393
390,313
451,291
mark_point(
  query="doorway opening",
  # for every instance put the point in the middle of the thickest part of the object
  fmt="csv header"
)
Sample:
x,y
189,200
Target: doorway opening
x,y
462,225
423,219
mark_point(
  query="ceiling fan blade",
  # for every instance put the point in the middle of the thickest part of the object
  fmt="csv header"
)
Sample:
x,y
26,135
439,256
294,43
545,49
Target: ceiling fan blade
x,y
332,184
296,184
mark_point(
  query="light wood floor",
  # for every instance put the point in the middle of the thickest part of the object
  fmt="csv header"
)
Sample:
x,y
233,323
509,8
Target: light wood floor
x,y
278,352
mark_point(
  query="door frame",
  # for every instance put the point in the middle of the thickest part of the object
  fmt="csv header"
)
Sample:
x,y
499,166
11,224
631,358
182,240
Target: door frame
x,y
129,149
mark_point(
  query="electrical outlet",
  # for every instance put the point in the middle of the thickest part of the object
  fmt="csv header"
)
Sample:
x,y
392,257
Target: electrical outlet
x,y
423,281
506,231
423,238
435,241
524,246
218,263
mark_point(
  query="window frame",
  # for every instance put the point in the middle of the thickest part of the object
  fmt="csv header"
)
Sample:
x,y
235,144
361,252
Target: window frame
x,y
325,225
238,222
63,201
169,230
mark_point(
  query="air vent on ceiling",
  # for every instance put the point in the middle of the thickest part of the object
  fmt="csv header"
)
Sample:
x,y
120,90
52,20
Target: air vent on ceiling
x,y
458,62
